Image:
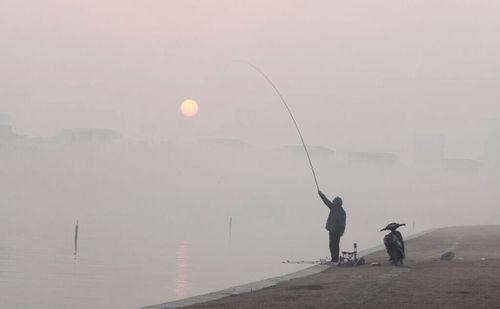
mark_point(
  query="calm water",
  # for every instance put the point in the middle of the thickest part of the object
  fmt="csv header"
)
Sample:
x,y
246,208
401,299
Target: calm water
x,y
47,275
38,272
153,226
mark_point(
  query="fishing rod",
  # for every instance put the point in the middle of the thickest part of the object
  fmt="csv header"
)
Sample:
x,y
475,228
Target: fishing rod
x,y
291,115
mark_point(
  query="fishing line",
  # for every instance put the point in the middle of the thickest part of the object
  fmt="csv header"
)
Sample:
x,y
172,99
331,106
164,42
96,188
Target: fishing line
x,y
291,115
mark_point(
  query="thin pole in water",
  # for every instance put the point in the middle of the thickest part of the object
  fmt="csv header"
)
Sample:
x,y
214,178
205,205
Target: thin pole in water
x,y
76,238
230,227
291,115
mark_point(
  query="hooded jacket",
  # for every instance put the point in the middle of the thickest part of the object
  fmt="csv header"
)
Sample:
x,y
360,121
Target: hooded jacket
x,y
337,216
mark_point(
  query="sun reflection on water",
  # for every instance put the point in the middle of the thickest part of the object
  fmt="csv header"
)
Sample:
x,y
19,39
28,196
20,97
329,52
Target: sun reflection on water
x,y
182,260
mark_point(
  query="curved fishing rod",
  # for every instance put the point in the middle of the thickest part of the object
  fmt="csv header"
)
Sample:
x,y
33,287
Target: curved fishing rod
x,y
291,115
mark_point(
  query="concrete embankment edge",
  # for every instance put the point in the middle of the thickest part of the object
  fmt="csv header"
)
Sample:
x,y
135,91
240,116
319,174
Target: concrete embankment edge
x,y
258,285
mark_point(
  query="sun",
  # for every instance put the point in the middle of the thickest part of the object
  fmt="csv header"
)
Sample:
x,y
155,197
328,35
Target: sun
x,y
189,108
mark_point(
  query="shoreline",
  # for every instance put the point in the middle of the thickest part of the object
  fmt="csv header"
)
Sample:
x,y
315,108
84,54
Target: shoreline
x,y
265,283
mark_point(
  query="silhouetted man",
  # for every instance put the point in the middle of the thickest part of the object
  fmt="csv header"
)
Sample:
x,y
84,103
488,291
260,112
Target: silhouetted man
x,y
335,224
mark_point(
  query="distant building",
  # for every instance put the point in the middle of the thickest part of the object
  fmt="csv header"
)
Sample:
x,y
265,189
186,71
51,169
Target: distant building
x,y
88,135
315,151
374,158
4,119
492,145
9,137
227,143
429,148
6,133
461,164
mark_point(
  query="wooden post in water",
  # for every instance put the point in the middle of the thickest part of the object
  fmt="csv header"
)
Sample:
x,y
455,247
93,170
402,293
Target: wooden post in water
x,y
230,227
76,238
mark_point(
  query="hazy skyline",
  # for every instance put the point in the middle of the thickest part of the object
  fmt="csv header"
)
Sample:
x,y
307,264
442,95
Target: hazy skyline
x,y
359,76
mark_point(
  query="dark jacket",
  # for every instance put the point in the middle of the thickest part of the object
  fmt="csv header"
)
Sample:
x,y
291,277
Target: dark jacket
x,y
337,217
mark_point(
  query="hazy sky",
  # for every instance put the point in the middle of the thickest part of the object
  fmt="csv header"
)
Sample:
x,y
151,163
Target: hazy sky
x,y
359,75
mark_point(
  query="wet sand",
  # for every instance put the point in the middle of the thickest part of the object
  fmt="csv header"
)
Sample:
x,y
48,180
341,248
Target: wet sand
x,y
470,280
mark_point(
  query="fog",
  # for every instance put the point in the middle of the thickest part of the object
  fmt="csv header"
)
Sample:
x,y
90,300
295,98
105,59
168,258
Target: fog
x,y
397,101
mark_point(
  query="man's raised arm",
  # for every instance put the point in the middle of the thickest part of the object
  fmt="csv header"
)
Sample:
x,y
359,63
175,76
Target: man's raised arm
x,y
325,199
